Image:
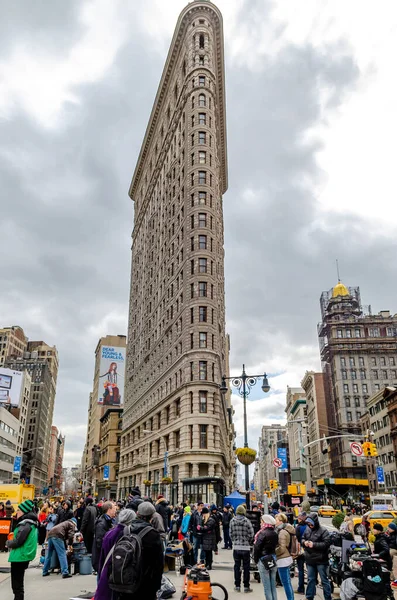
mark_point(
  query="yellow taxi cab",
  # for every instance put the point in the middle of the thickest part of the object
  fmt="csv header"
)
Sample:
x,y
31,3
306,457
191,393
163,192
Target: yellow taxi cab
x,y
326,511
384,517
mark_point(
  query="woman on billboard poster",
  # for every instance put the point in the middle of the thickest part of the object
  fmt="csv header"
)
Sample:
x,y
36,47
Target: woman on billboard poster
x,y
111,396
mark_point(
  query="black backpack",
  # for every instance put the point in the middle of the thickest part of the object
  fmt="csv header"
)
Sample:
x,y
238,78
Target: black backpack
x,y
125,570
373,590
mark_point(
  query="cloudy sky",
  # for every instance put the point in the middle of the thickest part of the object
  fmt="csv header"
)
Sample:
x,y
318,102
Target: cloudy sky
x,y
311,107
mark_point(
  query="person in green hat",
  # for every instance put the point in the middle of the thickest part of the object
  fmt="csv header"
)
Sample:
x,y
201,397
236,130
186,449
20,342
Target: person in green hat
x,y
23,546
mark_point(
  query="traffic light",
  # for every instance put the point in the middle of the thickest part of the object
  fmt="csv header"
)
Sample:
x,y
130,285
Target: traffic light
x,y
275,484
367,449
271,482
374,450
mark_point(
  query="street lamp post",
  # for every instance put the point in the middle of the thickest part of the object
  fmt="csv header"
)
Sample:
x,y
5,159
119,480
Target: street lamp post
x,y
244,383
148,431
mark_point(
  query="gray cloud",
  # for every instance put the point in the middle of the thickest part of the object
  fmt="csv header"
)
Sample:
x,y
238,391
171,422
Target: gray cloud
x,y
67,217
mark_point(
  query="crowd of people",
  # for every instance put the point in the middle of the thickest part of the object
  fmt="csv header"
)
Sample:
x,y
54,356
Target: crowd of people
x,y
141,528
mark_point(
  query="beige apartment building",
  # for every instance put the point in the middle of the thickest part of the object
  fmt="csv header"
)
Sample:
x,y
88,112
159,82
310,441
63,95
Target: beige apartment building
x,y
13,342
316,426
359,356
109,454
91,474
175,419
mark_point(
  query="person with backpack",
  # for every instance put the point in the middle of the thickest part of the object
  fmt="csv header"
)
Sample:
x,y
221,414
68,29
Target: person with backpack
x,y
125,518
392,542
242,535
23,546
316,542
285,548
265,545
102,525
88,523
136,560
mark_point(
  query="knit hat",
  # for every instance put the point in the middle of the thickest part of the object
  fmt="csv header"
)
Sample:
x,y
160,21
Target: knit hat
x,y
135,491
213,507
8,503
205,510
187,510
73,520
89,500
309,521
146,509
26,506
268,519
392,526
378,527
241,510
160,496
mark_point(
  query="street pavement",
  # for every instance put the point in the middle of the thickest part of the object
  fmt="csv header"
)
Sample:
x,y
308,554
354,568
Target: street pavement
x,y
54,587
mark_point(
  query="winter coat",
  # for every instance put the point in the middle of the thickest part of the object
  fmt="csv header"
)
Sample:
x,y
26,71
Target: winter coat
x,y
78,513
9,509
52,520
152,562
195,520
218,518
392,540
299,531
103,524
63,531
157,522
23,546
88,520
185,523
318,555
103,592
265,543
381,547
241,533
284,533
226,518
209,534
65,515
164,511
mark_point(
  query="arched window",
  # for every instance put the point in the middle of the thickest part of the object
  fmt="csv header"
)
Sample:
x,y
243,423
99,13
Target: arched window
x,y
202,100
201,41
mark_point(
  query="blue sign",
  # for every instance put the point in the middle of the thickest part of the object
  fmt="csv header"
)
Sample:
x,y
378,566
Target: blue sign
x,y
166,464
252,486
17,465
380,475
282,455
106,472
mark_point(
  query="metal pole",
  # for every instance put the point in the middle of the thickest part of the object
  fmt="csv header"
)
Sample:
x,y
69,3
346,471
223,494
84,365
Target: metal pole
x,y
247,474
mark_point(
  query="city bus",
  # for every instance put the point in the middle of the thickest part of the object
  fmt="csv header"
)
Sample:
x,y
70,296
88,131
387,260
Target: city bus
x,y
383,502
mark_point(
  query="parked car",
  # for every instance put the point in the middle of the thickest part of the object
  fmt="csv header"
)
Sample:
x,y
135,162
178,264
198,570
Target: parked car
x,y
326,511
314,508
384,517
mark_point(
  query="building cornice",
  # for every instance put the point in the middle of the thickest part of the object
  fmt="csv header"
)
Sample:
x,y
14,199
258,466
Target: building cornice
x,y
162,91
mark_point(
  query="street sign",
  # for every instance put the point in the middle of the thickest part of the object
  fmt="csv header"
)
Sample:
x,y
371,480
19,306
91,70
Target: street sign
x,y
356,448
282,455
106,472
380,476
252,486
17,465
277,462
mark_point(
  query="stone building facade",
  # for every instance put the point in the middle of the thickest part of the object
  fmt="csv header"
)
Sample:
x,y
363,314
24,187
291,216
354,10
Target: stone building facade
x,y
109,454
317,426
359,356
272,437
177,344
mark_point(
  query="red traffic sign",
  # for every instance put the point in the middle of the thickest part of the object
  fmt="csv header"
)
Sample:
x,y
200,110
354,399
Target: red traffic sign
x,y
356,448
277,462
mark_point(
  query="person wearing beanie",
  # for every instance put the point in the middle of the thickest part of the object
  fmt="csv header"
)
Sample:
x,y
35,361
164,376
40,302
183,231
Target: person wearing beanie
x,y
187,514
57,537
226,518
242,536
315,542
218,518
9,509
265,544
102,525
152,554
23,546
90,515
391,539
381,547
125,518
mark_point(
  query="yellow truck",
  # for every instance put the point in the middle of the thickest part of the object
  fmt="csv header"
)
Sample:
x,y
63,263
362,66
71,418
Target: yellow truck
x,y
16,493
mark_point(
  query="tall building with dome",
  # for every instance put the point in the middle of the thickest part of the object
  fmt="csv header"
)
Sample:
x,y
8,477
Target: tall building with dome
x,y
177,428
359,358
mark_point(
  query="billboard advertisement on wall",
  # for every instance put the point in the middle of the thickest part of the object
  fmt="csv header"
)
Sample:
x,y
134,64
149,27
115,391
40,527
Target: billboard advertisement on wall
x,y
10,386
111,376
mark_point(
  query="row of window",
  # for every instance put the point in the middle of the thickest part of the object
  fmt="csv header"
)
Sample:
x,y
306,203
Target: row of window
x,y
374,361
375,374
372,332
346,388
